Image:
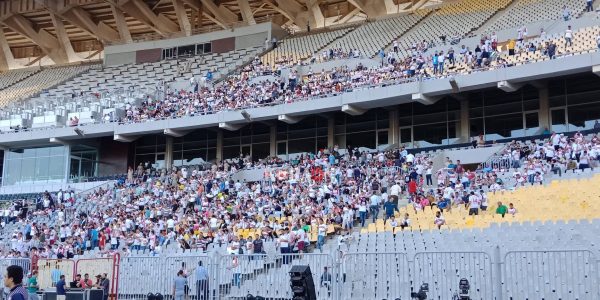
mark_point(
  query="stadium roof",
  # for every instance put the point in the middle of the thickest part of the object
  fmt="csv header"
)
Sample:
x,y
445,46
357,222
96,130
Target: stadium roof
x,y
38,28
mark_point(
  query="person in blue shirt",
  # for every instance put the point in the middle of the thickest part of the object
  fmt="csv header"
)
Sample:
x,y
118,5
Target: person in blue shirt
x,y
13,280
202,290
61,293
389,208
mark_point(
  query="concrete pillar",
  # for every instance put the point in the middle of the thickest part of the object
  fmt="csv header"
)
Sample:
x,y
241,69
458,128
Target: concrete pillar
x,y
544,115
273,140
331,131
465,124
219,146
393,131
169,152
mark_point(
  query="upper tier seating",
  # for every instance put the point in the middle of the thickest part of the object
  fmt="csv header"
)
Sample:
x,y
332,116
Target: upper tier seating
x,y
11,77
369,38
564,200
455,19
295,49
38,82
530,11
148,75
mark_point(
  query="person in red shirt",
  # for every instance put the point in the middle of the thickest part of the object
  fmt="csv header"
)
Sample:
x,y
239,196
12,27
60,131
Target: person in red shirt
x,y
101,240
85,283
412,187
34,259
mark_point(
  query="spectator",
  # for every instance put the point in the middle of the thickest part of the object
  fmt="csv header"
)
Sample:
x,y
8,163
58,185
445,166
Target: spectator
x,y
502,209
13,279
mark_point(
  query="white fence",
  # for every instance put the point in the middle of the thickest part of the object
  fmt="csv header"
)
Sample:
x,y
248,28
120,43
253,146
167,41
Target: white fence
x,y
569,274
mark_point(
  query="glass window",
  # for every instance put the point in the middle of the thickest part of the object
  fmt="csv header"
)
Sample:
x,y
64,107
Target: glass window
x,y
504,126
583,117
430,135
363,139
301,146
382,137
41,167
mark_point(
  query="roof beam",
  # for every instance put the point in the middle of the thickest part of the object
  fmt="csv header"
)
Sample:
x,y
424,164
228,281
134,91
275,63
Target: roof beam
x,y
7,60
246,11
371,8
291,10
124,32
82,19
47,42
221,13
315,14
184,23
63,37
140,10
348,16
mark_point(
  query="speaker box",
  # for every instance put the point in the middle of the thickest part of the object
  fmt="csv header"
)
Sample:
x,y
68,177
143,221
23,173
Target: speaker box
x,y
301,282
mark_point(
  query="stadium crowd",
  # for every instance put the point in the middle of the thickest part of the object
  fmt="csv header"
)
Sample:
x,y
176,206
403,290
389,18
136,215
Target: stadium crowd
x,y
298,203
242,91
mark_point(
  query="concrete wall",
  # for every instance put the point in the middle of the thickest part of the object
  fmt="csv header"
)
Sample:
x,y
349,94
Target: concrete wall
x,y
252,40
119,58
190,40
148,56
223,45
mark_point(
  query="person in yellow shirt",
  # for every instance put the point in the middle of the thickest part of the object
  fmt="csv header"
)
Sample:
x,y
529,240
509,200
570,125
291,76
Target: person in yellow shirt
x,y
511,47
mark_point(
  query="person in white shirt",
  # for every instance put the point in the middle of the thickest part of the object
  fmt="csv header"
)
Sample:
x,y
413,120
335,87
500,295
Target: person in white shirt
x,y
474,204
568,36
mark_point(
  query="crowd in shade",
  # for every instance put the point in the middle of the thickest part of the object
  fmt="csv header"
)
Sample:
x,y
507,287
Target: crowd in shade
x,y
296,205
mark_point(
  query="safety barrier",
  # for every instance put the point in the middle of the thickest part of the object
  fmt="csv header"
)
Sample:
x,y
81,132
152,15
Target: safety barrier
x,y
375,275
268,275
50,270
99,266
551,275
139,276
567,274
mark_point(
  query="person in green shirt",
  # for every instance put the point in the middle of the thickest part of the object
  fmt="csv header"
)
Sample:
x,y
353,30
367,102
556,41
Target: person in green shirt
x,y
32,286
501,210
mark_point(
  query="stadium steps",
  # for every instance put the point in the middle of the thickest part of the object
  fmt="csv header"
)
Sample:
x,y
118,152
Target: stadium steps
x,y
332,41
389,44
492,19
33,73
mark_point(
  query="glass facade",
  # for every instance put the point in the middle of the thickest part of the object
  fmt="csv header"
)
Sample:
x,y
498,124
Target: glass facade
x,y
253,139
35,165
368,130
151,149
574,103
307,136
499,115
429,125
195,148
83,162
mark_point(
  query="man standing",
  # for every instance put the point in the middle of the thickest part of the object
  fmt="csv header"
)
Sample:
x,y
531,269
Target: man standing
x,y
103,284
32,286
13,279
61,294
179,286
590,5
568,36
201,282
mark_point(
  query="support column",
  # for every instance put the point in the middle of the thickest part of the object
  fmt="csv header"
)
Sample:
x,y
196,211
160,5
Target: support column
x,y
331,131
273,140
393,131
465,123
219,146
544,116
169,152
121,24
7,60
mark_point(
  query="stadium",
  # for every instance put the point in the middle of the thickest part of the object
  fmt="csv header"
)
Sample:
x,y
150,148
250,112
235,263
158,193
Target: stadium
x,y
300,149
